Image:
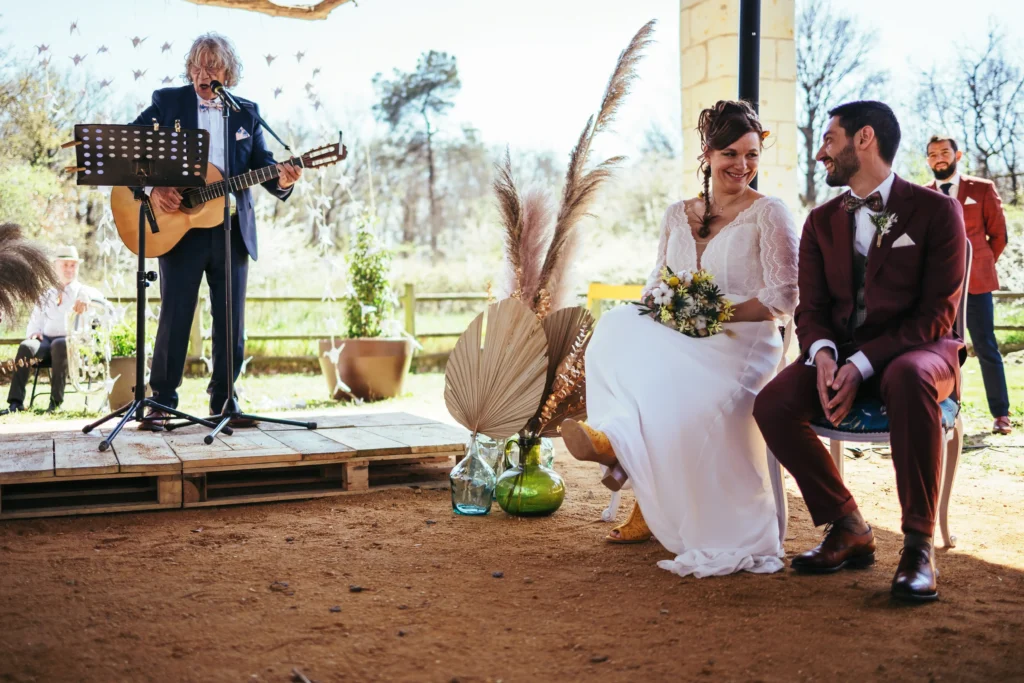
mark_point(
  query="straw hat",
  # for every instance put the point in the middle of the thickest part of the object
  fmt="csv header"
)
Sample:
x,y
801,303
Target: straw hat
x,y
66,252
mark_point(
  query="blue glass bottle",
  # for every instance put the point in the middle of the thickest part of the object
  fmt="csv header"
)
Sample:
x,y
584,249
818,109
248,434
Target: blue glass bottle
x,y
472,483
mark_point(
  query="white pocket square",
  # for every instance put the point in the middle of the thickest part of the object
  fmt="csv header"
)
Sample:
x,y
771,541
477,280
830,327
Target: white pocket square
x,y
241,134
903,241
969,201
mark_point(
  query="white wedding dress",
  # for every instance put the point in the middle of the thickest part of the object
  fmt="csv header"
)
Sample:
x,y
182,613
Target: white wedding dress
x,y
679,411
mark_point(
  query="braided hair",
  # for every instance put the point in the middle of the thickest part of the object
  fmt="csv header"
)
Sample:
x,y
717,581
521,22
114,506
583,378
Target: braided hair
x,y
720,126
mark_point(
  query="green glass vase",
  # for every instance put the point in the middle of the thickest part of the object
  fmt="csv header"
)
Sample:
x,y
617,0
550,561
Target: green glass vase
x,y
530,489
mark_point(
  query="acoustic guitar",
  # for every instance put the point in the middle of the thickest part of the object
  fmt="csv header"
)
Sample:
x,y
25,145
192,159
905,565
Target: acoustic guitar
x,y
198,206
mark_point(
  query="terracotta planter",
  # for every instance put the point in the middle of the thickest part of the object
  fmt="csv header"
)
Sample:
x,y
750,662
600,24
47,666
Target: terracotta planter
x,y
372,368
124,388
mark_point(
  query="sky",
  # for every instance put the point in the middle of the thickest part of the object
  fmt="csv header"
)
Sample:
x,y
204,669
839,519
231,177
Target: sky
x,y
532,71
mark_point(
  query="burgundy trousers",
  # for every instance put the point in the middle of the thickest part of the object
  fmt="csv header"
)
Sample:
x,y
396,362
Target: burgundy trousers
x,y
911,387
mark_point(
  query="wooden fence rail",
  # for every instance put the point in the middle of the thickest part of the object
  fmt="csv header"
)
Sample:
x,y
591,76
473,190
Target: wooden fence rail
x,y
410,299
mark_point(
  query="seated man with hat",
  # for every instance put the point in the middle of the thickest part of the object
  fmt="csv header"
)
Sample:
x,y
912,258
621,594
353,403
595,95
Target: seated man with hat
x,y
47,328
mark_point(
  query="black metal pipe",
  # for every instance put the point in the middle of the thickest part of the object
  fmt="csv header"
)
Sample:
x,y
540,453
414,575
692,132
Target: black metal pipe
x,y
750,55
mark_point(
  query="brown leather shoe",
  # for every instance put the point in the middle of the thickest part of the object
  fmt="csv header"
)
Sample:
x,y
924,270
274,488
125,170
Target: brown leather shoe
x,y
915,575
840,549
1002,425
154,420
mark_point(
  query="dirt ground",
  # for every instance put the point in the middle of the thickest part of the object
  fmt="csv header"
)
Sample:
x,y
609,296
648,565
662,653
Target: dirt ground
x,y
200,595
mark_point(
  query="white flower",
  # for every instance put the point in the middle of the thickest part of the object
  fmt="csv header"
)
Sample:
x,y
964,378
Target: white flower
x,y
685,277
700,322
662,294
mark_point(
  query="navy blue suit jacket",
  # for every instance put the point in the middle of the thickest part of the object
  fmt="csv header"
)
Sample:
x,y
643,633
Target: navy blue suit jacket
x,y
251,153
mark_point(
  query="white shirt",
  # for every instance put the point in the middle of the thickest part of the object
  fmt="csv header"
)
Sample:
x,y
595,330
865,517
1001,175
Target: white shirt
x,y
211,120
50,318
954,180
866,232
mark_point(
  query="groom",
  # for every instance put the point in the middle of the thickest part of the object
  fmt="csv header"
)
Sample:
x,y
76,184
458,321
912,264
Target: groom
x,y
881,273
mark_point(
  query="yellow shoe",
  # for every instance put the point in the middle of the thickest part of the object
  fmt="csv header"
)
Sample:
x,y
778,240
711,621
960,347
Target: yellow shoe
x,y
590,445
633,531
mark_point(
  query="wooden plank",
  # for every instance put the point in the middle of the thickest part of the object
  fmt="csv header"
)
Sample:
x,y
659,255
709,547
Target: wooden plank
x,y
305,495
351,420
144,453
382,459
366,442
313,446
355,475
82,457
168,489
26,460
432,438
248,447
86,510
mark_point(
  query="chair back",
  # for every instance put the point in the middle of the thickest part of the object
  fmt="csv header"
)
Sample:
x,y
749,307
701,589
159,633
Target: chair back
x,y
960,323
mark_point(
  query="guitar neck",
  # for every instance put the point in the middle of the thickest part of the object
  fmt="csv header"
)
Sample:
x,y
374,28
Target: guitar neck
x,y
238,183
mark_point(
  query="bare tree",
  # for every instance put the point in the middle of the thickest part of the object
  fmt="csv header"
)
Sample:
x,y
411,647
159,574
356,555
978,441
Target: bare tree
x,y
415,100
979,100
831,66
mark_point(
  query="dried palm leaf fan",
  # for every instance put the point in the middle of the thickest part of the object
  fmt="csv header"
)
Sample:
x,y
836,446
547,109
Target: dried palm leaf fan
x,y
25,271
568,334
496,386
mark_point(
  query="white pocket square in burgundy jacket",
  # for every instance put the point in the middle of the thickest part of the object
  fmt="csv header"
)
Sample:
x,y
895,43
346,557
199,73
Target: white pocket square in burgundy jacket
x,y
903,241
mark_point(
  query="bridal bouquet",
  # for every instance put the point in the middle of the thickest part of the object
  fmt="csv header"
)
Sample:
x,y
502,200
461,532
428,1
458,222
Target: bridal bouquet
x,y
685,301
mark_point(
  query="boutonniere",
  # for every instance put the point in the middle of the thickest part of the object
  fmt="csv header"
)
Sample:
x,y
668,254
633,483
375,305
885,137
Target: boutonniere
x,y
883,222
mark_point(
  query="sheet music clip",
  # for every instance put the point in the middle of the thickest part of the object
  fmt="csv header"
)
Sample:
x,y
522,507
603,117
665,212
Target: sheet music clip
x,y
156,126
177,125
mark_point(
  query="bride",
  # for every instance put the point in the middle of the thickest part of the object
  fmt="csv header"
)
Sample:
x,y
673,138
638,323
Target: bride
x,y
674,414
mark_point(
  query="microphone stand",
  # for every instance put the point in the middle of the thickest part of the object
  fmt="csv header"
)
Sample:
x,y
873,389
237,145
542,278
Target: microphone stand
x,y
232,410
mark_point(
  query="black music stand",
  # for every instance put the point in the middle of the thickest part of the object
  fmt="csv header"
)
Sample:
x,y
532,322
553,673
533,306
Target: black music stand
x,y
137,157
231,410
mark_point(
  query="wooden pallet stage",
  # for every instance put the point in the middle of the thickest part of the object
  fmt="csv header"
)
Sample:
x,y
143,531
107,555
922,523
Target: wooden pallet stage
x,y
46,474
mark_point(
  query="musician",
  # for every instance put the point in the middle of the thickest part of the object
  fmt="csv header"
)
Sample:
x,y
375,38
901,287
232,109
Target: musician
x,y
47,329
212,57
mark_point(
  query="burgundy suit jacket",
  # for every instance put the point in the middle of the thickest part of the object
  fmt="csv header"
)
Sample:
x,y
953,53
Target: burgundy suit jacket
x,y
986,229
911,292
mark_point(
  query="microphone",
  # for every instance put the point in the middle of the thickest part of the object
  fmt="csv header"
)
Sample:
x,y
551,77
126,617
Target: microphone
x,y
226,97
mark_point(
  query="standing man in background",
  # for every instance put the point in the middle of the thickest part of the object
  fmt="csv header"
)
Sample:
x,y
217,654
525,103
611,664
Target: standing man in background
x,y
986,230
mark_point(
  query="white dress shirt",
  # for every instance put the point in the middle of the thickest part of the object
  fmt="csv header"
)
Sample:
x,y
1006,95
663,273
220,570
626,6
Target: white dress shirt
x,y
50,316
211,120
866,233
953,180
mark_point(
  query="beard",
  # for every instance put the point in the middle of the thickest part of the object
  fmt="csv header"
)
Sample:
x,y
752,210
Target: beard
x,y
945,173
844,166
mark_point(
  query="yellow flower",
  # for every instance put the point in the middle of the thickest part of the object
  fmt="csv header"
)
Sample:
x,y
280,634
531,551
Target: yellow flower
x,y
673,281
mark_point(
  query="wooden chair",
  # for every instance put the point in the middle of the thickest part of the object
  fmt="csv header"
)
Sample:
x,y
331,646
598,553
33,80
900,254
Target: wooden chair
x,y
599,291
867,423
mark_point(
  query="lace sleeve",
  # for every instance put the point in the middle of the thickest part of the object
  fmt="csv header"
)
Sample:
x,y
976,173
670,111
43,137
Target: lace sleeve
x,y
662,257
779,244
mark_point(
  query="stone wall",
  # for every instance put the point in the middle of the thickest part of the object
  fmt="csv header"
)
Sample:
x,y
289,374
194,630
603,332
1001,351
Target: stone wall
x,y
709,61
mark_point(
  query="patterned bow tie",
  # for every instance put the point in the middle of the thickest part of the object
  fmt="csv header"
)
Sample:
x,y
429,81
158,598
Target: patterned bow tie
x,y
873,202
210,105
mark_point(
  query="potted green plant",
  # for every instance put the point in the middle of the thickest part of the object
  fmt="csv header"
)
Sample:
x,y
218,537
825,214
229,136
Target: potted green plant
x,y
371,362
122,365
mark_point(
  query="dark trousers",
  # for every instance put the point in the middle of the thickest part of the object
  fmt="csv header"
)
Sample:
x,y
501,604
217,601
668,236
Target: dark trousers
x,y
200,251
52,349
980,323
911,388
